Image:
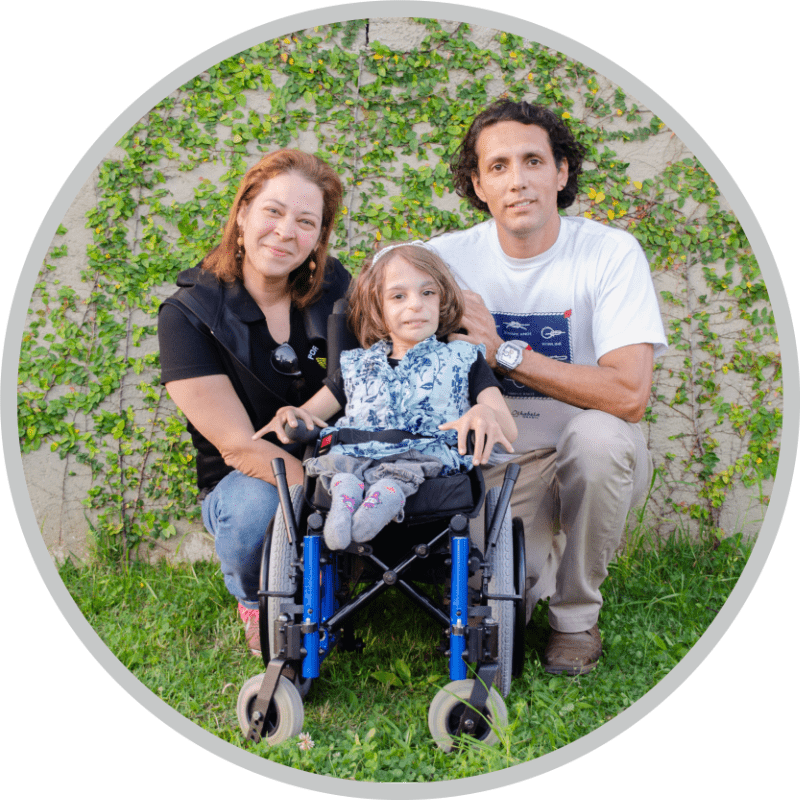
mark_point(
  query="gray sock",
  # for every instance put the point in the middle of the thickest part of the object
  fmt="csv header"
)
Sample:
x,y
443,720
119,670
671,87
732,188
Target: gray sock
x,y
384,501
346,493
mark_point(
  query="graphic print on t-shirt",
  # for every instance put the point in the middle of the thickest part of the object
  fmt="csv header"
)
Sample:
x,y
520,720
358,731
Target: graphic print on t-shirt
x,y
547,333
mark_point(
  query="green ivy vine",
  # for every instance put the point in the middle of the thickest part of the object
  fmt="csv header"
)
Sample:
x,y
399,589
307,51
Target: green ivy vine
x,y
388,121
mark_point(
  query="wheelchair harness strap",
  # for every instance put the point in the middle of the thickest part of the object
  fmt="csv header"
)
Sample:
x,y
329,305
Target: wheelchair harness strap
x,y
355,436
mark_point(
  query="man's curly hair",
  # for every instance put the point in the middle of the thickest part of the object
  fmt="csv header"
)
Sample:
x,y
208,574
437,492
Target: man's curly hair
x,y
562,141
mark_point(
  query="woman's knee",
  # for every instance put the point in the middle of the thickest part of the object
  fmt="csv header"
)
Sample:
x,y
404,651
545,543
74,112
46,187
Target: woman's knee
x,y
240,508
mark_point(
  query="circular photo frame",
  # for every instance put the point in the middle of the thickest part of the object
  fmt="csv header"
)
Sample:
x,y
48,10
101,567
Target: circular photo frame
x,y
108,694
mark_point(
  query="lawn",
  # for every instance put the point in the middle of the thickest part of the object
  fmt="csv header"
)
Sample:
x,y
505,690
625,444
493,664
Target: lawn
x,y
176,629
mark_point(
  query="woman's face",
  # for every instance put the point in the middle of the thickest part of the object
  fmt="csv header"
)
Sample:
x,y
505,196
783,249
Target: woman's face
x,y
280,227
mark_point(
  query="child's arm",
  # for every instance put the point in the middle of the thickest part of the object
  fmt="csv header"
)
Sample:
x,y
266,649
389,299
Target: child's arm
x,y
493,398
321,407
492,423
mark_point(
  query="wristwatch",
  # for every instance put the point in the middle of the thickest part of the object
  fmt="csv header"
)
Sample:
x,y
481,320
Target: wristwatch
x,y
509,355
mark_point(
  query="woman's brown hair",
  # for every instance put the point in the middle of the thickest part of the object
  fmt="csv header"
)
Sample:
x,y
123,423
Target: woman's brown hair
x,y
305,284
365,312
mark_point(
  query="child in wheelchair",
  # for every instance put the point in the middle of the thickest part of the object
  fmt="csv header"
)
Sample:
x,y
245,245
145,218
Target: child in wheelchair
x,y
407,380
411,401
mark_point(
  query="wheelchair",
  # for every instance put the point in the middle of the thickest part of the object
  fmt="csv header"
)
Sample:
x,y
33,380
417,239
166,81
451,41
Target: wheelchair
x,y
308,596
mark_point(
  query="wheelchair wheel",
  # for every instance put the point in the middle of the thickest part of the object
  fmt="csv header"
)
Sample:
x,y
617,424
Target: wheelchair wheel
x,y
502,582
280,561
448,706
285,715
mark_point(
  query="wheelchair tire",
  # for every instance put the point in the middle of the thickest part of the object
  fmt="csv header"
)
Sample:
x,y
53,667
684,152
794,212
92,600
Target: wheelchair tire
x,y
520,621
280,561
502,582
447,707
285,716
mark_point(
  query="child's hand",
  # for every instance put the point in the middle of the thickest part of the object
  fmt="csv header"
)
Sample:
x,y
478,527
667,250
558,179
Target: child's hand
x,y
288,415
482,420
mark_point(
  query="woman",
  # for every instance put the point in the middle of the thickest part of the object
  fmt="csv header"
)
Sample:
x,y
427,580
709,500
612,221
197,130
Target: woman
x,y
245,335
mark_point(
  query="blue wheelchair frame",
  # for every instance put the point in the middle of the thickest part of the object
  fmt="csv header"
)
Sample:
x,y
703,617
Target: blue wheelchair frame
x,y
307,634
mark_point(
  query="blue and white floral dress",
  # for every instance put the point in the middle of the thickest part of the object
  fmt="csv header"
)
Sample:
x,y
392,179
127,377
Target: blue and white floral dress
x,y
428,387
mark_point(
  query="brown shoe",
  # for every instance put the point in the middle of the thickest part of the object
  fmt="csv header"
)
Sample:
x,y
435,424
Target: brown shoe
x,y
251,630
573,653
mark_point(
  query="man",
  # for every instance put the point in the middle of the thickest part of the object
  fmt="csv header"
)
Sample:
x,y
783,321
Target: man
x,y
568,314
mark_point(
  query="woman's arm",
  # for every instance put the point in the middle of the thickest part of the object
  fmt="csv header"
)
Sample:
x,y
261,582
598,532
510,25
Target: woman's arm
x,y
315,411
210,403
492,423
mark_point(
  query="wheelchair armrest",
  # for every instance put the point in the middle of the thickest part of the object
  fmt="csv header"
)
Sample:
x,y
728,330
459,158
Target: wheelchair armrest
x,y
301,433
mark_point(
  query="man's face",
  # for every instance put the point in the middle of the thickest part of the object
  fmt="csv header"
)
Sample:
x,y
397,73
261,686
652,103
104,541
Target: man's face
x,y
519,180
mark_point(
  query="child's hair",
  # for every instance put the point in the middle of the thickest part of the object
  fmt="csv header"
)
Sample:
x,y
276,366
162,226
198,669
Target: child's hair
x,y
365,313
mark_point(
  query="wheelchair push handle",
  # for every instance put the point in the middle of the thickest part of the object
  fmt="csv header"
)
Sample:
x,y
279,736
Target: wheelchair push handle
x,y
279,471
512,472
509,480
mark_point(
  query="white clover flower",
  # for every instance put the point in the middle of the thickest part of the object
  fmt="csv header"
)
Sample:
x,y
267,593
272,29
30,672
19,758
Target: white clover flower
x,y
306,742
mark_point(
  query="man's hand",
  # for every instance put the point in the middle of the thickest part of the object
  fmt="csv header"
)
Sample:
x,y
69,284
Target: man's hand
x,y
480,326
482,420
288,415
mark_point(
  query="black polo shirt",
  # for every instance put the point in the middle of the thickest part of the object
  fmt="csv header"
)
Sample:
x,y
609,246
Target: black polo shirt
x,y
187,352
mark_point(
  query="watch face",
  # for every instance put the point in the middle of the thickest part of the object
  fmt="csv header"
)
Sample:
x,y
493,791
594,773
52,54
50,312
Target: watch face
x,y
506,355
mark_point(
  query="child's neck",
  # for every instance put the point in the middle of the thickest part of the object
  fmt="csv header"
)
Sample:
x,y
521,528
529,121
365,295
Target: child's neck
x,y
399,351
398,354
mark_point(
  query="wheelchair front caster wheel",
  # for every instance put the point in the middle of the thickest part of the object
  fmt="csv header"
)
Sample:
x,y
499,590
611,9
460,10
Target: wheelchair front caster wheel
x,y
447,707
285,715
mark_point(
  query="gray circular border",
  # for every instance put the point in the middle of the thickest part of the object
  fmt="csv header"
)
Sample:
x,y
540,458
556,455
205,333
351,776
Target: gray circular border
x,y
17,317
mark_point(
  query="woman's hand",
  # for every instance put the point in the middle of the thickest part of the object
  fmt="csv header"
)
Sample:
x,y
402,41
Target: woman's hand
x,y
288,415
322,406
482,420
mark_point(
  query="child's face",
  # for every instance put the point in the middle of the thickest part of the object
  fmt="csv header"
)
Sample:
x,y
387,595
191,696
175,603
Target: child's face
x,y
411,302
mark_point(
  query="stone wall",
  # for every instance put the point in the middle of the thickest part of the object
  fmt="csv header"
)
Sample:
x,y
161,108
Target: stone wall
x,y
58,462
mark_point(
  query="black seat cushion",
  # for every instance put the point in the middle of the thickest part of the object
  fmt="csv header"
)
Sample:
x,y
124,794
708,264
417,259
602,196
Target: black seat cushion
x,y
436,497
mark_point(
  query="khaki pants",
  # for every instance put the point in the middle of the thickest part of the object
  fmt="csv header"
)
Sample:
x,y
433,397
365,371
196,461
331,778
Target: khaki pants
x,y
573,502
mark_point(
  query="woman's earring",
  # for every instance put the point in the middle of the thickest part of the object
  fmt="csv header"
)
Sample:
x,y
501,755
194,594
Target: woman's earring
x,y
240,251
312,266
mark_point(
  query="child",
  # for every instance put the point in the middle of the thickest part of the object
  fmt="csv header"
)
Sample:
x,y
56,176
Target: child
x,y
405,379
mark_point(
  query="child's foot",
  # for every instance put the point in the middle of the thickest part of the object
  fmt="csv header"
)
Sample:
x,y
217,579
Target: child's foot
x,y
346,493
384,501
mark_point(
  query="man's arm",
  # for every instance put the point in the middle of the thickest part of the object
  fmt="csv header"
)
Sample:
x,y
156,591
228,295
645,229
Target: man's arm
x,y
619,384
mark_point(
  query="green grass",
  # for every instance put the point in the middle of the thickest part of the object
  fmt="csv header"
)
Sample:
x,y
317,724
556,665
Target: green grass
x,y
176,629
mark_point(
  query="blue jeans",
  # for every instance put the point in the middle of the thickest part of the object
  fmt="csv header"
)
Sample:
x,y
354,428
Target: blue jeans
x,y
237,513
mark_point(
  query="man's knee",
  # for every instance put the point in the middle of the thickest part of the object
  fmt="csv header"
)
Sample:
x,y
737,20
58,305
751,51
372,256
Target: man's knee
x,y
596,442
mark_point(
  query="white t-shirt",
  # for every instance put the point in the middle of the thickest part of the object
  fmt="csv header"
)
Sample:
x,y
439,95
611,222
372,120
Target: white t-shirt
x,y
590,293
